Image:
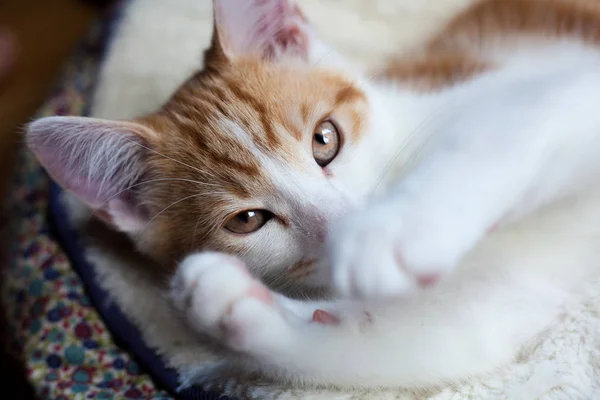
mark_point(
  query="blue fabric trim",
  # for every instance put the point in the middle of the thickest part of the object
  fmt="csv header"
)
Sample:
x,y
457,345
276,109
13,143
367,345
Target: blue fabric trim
x,y
124,332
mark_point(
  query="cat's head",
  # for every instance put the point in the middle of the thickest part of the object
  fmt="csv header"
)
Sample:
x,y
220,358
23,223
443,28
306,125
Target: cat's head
x,y
255,155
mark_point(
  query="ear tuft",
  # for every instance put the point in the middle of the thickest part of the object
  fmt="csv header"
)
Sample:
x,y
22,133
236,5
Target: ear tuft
x,y
269,29
95,159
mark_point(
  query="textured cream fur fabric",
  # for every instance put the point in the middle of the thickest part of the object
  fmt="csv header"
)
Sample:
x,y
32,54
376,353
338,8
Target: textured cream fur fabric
x,y
159,43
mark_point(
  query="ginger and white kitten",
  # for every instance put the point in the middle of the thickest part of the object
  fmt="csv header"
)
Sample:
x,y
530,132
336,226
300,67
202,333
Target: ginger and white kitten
x,y
278,147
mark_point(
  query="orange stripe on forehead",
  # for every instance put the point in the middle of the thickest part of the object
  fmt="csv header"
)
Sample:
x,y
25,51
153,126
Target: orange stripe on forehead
x,y
349,94
291,128
272,141
196,111
237,105
226,152
305,112
357,125
194,125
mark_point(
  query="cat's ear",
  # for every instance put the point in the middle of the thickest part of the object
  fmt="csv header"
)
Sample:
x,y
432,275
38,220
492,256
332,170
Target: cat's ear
x,y
265,28
98,161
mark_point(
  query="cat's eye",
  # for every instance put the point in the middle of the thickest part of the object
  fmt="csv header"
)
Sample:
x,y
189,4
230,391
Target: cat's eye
x,y
248,221
325,143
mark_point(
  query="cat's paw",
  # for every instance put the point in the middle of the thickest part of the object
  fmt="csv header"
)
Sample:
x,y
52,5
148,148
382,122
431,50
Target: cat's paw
x,y
383,251
218,296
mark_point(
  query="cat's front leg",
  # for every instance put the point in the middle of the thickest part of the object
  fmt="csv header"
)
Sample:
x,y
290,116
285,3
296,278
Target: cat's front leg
x,y
397,246
219,297
477,170
423,227
345,342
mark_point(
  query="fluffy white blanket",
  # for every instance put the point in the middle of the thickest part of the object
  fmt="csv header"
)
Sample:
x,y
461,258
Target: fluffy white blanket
x,y
159,43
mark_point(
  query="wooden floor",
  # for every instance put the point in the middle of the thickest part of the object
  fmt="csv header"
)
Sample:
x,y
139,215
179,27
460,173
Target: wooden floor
x,y
47,32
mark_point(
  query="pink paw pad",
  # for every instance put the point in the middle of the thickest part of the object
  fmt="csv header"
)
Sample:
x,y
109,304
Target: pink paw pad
x,y
427,280
260,292
325,318
493,228
240,266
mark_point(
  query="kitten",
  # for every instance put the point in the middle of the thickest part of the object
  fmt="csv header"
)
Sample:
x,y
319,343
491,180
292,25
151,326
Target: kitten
x,y
281,159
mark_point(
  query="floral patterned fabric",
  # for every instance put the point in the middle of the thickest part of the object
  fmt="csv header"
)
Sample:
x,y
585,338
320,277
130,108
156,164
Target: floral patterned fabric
x,y
67,348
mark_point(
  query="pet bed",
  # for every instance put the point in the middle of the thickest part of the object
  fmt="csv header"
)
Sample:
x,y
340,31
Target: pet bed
x,y
76,343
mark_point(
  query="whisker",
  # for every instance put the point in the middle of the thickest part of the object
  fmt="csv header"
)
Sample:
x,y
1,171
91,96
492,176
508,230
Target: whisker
x,y
161,180
195,232
150,181
282,279
169,206
167,157
322,58
427,121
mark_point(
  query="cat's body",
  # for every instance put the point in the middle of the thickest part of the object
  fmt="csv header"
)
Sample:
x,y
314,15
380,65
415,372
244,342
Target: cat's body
x,y
454,161
522,159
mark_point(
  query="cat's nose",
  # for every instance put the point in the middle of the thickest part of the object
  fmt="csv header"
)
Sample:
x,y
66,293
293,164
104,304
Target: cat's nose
x,y
315,219
316,225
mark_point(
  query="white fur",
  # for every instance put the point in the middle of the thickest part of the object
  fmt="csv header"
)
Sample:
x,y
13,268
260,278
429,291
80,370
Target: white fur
x,y
503,293
508,147
493,157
